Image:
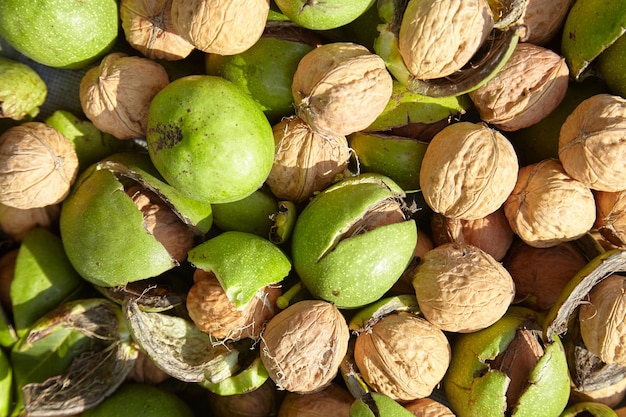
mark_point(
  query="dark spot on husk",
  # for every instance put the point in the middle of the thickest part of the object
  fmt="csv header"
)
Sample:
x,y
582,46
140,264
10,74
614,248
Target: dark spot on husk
x,y
168,136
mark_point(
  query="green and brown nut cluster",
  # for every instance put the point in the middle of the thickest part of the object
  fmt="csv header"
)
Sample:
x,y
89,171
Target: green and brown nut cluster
x,y
295,208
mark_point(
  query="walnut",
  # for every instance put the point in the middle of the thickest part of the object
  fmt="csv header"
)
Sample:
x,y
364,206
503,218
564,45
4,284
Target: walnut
x,y
116,95
403,356
305,162
548,206
144,371
542,20
334,400
148,28
461,288
340,88
468,171
592,145
428,407
303,346
37,166
611,216
16,222
530,85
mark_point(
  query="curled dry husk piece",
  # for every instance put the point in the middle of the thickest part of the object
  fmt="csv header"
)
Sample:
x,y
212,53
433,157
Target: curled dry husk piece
x,y
340,88
303,346
611,219
148,28
115,96
37,166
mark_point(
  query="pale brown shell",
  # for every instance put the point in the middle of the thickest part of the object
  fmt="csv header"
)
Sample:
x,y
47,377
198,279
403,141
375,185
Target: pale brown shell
x,y
225,27
611,216
303,346
116,95
261,402
548,206
611,395
15,223
403,356
148,28
428,407
334,400
461,288
213,313
439,37
305,162
37,166
592,143
340,88
602,320
468,171
530,85
542,20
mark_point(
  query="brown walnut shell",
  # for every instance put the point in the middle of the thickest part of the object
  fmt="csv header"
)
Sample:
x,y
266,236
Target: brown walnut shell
x,y
37,166
542,20
428,407
611,216
15,223
334,400
144,371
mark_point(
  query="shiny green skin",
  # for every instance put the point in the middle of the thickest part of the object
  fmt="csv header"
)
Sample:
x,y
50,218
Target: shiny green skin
x,y
6,384
378,405
251,214
22,90
60,33
323,15
209,139
612,63
596,409
356,270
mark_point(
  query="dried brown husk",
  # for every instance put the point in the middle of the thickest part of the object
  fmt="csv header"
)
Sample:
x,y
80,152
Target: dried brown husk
x,y
116,95
224,27
148,28
468,171
461,288
37,166
213,313
428,407
303,346
548,207
15,222
611,216
305,162
340,88
592,143
530,85
334,400
437,38
403,356
542,20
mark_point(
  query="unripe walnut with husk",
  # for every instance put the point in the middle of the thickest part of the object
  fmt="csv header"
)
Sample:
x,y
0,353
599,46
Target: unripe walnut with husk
x,y
116,95
530,85
601,318
37,166
17,222
225,27
461,288
303,345
611,216
340,88
305,162
214,313
148,28
592,145
334,400
468,171
542,20
439,37
402,356
548,206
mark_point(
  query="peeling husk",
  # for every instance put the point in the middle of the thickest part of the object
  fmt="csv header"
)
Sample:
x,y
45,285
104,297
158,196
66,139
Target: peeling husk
x,y
333,400
611,217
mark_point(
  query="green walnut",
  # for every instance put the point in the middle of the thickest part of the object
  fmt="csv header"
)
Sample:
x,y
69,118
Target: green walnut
x,y
323,15
22,90
353,240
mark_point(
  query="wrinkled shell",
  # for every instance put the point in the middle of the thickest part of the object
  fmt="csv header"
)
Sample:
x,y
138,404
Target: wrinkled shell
x,y
340,88
530,85
37,166
548,206
427,407
461,288
602,324
213,313
17,222
148,28
146,372
542,20
491,233
303,346
468,171
403,356
334,400
611,216
592,143
305,162
439,37
261,402
115,96
225,27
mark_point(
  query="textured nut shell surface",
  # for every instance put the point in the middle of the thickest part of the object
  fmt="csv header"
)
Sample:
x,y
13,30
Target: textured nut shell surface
x,y
305,162
37,166
225,27
461,288
340,88
592,143
530,85
439,37
468,171
116,95
334,400
17,222
303,346
543,20
611,216
403,356
428,407
548,206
